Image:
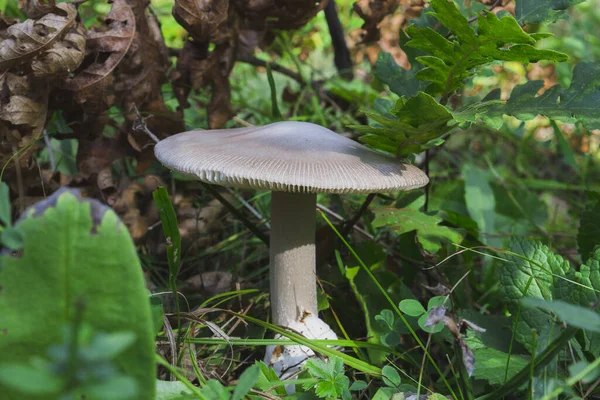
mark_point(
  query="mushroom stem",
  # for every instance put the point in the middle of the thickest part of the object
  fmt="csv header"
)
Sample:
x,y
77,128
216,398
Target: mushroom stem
x,y
292,253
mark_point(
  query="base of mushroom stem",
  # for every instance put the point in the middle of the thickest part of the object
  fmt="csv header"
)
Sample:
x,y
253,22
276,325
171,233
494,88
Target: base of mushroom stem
x,y
287,361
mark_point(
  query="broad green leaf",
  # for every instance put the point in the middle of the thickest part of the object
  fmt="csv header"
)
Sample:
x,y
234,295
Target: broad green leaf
x,y
30,380
64,152
430,234
246,382
390,376
75,250
531,272
115,388
588,236
490,364
580,317
411,307
480,201
11,238
542,11
450,62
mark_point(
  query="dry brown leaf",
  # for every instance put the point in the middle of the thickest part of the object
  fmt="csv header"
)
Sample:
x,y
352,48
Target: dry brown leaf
x,y
99,153
63,57
373,13
23,101
203,19
23,41
36,8
106,48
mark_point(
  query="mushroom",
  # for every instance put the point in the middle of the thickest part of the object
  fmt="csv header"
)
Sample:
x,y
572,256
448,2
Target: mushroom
x,y
295,160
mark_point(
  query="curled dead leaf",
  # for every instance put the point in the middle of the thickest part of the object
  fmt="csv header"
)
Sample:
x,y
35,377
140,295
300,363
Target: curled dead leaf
x,y
23,41
63,57
106,48
36,8
202,18
23,101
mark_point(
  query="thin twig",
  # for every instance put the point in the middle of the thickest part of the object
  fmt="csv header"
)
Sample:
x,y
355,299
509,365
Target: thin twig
x,y
356,217
140,125
237,213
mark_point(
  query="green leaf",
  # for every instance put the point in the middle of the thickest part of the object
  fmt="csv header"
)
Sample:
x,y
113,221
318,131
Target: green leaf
x,y
450,62
390,376
408,128
580,317
581,287
11,238
105,347
401,81
430,234
176,390
246,382
490,364
429,329
170,229
480,200
5,216
564,148
577,103
411,307
75,250
542,11
115,388
530,271
588,236
332,382
156,306
30,380
386,318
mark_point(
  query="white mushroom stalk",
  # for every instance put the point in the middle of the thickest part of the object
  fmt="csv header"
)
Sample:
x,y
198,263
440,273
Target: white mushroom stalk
x,y
295,160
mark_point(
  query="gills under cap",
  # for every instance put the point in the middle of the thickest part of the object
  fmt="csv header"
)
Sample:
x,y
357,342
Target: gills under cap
x,y
286,156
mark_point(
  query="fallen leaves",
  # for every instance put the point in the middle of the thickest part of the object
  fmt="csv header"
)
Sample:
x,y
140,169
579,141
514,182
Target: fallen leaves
x,y
105,50
23,41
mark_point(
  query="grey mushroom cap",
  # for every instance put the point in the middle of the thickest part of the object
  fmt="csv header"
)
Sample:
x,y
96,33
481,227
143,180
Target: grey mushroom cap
x,y
286,156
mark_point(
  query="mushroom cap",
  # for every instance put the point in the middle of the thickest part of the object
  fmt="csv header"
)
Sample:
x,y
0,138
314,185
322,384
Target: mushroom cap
x,y
286,156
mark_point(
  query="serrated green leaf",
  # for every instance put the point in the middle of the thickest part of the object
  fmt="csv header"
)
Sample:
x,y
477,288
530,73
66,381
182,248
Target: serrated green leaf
x,y
490,364
531,271
576,103
401,81
430,234
542,11
75,250
580,317
581,287
450,62
408,127
588,235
